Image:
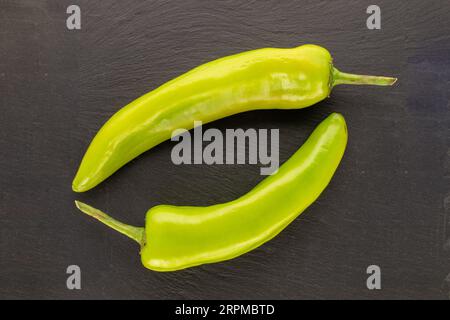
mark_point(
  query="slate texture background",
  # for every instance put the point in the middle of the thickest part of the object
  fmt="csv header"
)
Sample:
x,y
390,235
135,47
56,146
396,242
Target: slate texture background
x,y
389,203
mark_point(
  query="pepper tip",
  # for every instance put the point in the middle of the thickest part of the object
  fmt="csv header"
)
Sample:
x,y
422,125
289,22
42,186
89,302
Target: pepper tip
x,y
79,187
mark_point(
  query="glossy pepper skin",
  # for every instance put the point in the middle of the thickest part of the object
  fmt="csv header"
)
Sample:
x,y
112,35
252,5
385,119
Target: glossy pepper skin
x,y
180,237
267,78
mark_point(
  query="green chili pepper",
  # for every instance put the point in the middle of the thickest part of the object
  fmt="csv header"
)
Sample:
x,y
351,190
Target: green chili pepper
x,y
180,237
267,78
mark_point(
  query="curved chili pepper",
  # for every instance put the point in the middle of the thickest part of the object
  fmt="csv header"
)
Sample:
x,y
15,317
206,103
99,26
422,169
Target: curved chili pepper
x,y
180,237
261,79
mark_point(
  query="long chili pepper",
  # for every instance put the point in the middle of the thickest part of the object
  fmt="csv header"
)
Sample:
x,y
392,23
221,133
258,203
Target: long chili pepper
x,y
180,237
268,78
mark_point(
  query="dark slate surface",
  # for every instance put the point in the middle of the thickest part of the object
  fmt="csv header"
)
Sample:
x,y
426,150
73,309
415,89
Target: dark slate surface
x,y
387,205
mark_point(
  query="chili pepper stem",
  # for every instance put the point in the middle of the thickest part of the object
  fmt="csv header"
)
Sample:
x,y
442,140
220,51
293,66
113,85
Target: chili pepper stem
x,y
135,233
359,79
